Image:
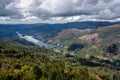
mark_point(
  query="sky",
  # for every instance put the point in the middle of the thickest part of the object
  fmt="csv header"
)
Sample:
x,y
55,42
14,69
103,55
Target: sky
x,y
57,11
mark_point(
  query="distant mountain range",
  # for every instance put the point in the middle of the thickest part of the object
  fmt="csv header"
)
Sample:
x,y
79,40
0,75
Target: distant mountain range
x,y
9,30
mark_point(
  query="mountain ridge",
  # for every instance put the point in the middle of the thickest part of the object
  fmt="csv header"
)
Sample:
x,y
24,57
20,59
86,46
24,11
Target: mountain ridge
x,y
7,30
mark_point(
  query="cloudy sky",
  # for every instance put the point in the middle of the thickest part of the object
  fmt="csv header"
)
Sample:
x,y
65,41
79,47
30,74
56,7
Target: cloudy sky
x,y
59,10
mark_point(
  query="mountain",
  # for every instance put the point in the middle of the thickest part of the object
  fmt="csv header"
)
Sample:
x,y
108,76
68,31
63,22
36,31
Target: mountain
x,y
100,42
83,51
46,30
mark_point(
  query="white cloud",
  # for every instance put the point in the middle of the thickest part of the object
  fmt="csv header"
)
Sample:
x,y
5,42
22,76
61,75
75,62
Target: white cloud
x,y
60,10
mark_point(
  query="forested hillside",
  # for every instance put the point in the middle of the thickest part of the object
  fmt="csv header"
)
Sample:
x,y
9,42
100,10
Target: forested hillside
x,y
21,62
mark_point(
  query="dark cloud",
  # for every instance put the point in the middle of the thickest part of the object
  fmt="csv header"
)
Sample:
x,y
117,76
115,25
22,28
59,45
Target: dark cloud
x,y
3,10
60,9
7,11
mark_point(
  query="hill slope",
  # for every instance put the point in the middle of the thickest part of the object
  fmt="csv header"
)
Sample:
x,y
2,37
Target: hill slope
x,y
20,62
103,41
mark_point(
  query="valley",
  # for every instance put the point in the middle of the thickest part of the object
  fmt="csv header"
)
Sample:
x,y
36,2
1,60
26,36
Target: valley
x,y
69,51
